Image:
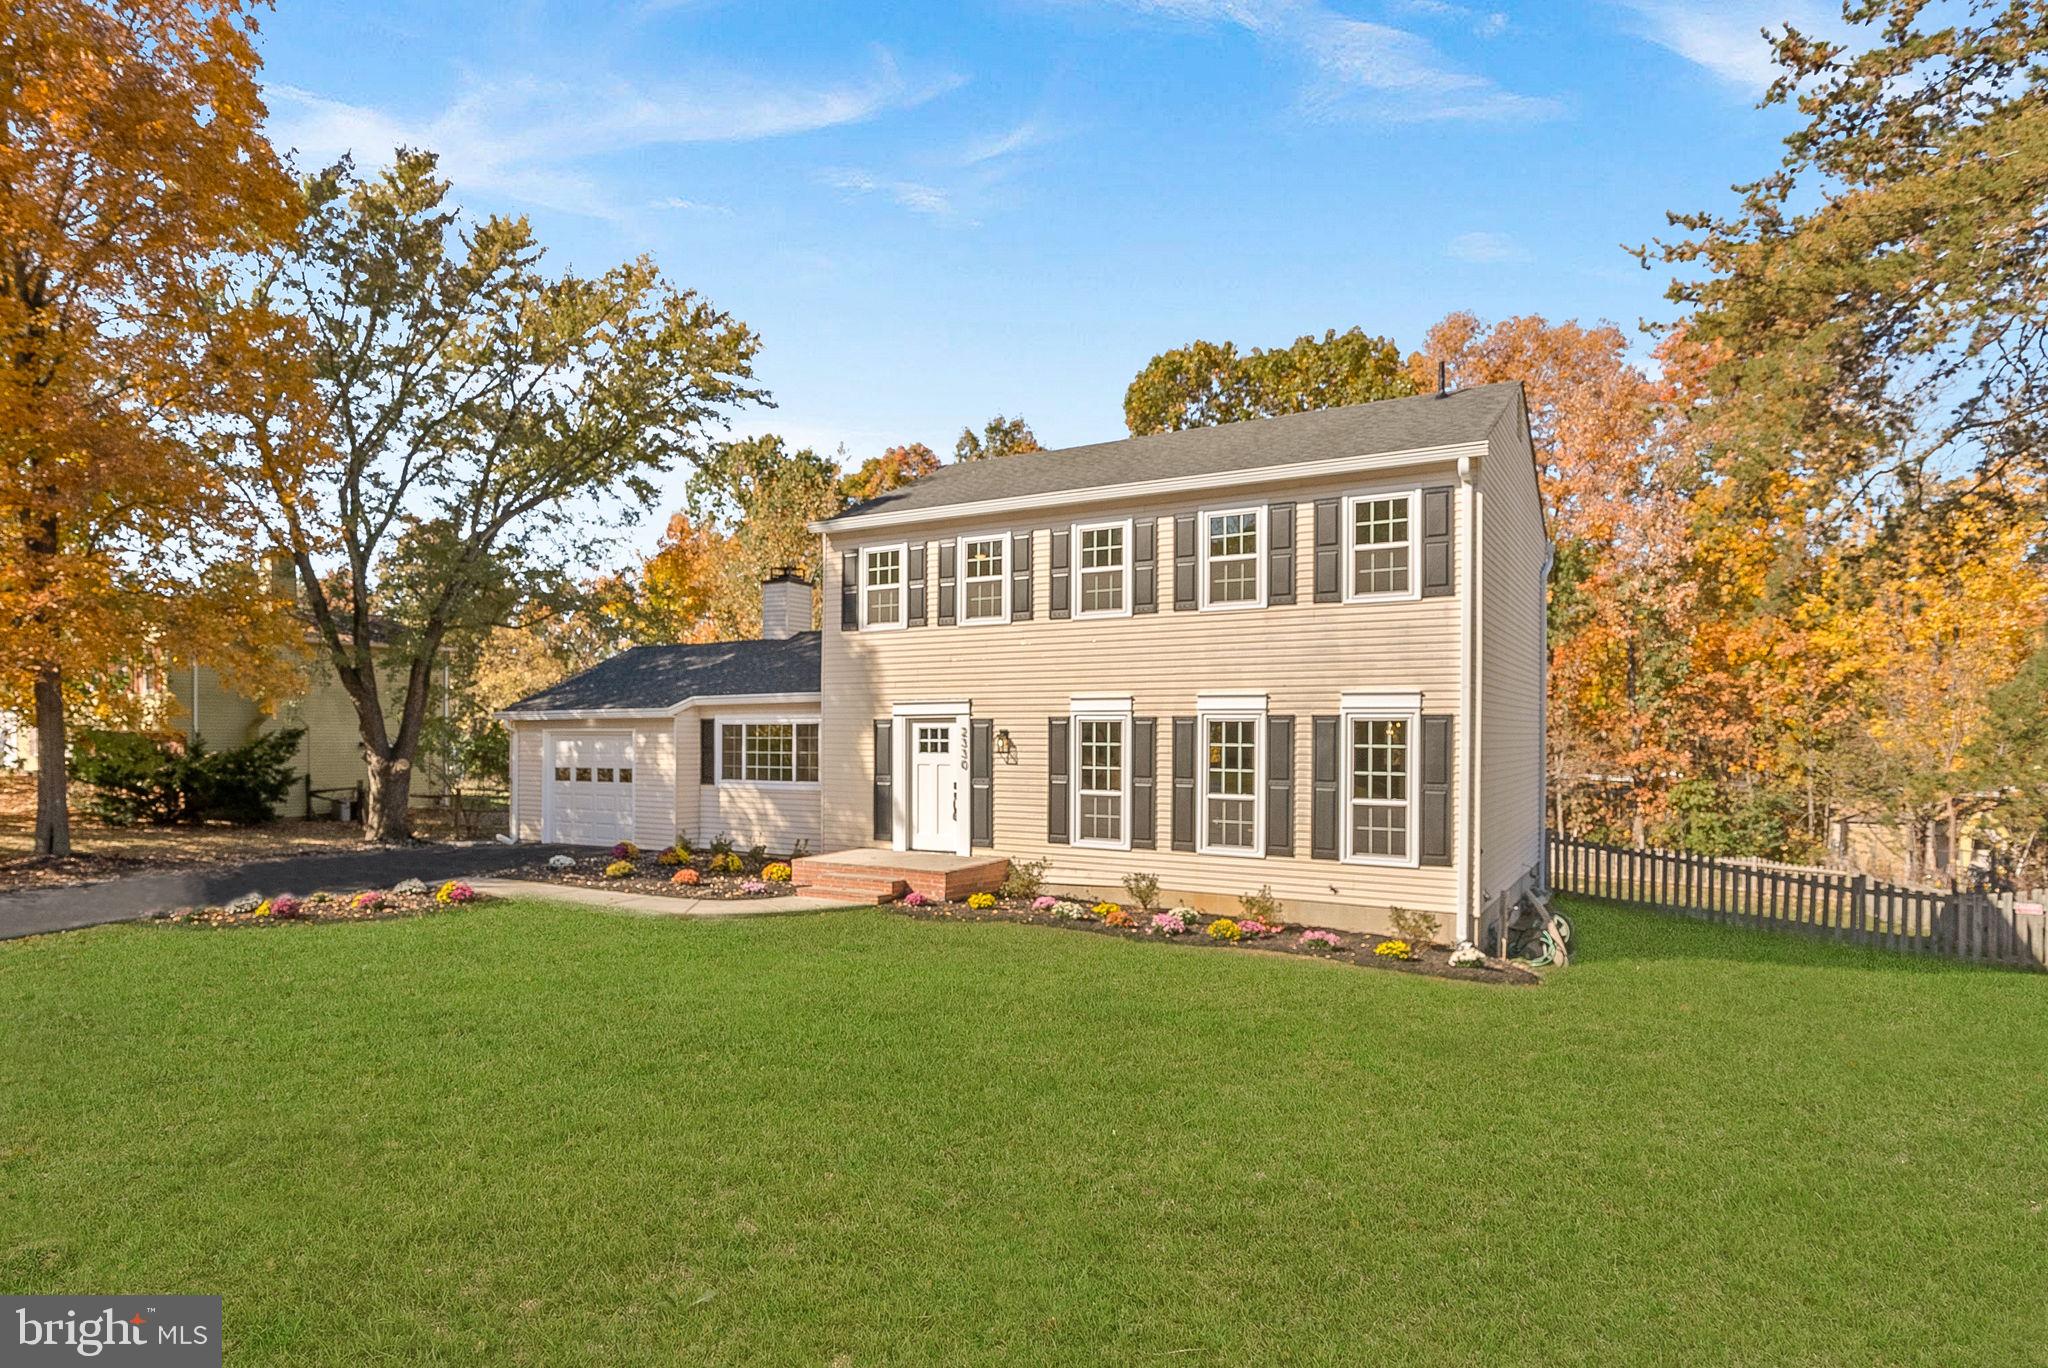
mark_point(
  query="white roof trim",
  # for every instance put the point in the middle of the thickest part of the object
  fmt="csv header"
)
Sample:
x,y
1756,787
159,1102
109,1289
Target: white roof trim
x,y
608,714
1137,489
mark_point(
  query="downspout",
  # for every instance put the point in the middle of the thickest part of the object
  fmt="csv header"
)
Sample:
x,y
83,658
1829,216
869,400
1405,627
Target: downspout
x,y
1543,721
192,733
1468,706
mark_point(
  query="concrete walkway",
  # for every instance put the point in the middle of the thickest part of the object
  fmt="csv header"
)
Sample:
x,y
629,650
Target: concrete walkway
x,y
34,911
655,904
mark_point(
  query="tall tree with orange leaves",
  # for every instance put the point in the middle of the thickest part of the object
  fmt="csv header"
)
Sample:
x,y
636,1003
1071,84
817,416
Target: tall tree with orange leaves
x,y
133,163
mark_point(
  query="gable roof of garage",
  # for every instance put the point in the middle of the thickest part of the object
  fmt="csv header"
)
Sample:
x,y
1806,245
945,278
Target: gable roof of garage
x,y
659,679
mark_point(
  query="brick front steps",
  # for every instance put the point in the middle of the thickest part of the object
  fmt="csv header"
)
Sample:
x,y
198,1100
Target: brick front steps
x,y
878,876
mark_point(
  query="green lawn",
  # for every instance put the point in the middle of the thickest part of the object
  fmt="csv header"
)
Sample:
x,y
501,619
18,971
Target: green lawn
x,y
531,1134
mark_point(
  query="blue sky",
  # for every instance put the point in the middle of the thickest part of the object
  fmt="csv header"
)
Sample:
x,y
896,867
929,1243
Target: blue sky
x,y
936,212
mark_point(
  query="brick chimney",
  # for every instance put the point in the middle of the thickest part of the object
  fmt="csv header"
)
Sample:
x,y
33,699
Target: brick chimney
x,y
785,604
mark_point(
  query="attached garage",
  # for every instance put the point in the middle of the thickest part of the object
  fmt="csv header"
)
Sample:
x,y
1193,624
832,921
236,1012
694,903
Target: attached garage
x,y
588,793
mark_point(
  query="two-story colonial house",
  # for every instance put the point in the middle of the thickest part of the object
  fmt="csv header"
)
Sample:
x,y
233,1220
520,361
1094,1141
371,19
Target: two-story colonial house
x,y
1302,653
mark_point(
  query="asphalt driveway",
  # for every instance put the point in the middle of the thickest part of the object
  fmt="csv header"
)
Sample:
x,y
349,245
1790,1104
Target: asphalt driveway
x,y
34,911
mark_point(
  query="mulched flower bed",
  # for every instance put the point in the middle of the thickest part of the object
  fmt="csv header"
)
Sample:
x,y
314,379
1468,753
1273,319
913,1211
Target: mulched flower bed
x,y
408,899
1342,947
647,871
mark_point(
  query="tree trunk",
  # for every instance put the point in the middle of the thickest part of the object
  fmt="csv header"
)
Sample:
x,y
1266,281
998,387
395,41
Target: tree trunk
x,y
53,794
387,805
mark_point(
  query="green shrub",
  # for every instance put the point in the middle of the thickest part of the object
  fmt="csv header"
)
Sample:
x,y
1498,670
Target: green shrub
x,y
1261,906
1416,928
1144,891
138,779
1026,879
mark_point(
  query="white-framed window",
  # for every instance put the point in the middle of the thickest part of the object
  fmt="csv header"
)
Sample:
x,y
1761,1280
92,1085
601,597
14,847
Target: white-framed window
x,y
1380,762
882,586
1102,569
768,752
1380,537
1233,783
1102,780
1233,568
984,587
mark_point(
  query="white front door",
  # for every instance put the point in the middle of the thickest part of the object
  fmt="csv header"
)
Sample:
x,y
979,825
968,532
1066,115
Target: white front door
x,y
937,776
590,789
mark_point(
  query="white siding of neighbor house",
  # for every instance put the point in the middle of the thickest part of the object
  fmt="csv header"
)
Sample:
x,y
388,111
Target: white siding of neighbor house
x,y
1514,542
668,800
1303,657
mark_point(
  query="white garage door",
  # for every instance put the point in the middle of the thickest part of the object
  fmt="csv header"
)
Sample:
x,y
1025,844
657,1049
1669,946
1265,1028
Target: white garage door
x,y
590,789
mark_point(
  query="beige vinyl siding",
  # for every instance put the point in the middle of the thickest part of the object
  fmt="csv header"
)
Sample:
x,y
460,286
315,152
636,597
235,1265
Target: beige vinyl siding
x,y
777,816
1513,545
1303,657
527,777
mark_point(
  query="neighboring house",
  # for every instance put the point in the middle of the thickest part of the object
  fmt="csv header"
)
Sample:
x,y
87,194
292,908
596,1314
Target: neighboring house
x,y
1304,653
190,699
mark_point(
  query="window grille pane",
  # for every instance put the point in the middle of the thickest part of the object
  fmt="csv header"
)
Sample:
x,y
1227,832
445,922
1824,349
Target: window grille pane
x,y
985,599
561,774
984,559
1379,556
1234,534
882,605
1232,785
771,752
1379,831
730,750
625,776
1233,581
1101,779
582,774
1379,787
604,774
807,752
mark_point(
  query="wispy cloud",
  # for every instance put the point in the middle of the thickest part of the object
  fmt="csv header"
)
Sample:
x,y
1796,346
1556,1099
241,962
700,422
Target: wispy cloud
x,y
915,196
677,204
1485,248
1025,136
525,138
1362,67
1726,37
1484,23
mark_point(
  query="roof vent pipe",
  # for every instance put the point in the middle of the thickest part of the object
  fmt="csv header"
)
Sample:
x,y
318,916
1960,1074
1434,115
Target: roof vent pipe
x,y
1443,378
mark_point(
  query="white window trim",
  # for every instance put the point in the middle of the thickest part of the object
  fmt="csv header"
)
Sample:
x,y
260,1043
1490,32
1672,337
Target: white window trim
x,y
1122,717
720,723
1001,539
1344,772
1351,502
902,550
1074,568
1258,512
1257,849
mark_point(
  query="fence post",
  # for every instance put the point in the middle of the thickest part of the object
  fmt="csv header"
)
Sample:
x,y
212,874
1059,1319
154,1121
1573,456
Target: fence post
x,y
1857,889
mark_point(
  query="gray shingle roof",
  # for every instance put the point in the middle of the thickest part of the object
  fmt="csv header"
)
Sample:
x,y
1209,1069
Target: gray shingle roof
x,y
654,678
1465,415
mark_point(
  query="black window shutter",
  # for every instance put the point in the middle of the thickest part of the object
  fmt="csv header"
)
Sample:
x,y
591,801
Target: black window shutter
x,y
1062,586
1329,552
885,759
1434,848
1056,779
1020,578
1145,565
947,552
1322,838
915,617
849,591
1280,553
1183,783
707,751
1144,783
981,781
1436,542
1184,595
1280,786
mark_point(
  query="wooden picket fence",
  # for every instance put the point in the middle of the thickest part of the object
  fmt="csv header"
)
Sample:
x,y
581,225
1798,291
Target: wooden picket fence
x,y
1852,909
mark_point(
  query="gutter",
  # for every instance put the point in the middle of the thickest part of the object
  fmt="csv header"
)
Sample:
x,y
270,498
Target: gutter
x,y
1469,681
1465,453
629,714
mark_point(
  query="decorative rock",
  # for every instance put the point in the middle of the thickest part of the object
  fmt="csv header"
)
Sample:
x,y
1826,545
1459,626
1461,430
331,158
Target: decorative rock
x,y
409,886
246,904
561,862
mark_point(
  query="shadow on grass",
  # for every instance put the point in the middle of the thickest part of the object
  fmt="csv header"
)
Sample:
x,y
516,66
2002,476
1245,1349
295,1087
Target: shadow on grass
x,y
1611,932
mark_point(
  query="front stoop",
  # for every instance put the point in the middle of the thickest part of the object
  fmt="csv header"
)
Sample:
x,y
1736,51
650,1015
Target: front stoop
x,y
878,876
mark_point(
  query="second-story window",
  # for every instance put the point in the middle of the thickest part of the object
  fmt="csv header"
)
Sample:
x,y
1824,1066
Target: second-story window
x,y
1382,546
1231,575
984,583
1102,567
881,591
